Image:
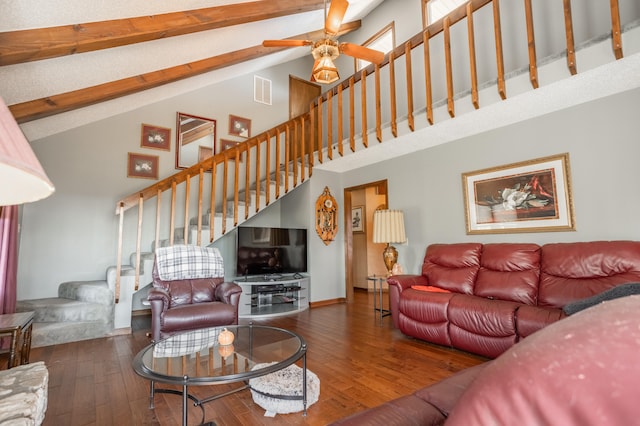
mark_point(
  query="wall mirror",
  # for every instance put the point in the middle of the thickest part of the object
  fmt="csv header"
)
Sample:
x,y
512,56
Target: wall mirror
x,y
195,139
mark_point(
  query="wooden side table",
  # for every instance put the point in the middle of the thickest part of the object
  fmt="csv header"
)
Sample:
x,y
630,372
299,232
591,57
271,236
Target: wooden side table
x,y
18,325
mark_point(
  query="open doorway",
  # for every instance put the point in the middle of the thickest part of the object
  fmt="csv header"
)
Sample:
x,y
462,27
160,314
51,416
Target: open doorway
x,y
363,257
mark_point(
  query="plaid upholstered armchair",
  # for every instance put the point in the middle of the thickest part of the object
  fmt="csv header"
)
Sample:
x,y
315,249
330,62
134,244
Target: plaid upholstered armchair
x,y
189,291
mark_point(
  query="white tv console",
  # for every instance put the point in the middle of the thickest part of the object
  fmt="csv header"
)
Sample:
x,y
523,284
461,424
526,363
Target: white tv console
x,y
273,295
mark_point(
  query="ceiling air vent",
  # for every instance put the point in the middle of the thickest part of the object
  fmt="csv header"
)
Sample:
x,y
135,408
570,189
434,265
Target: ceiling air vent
x,y
261,90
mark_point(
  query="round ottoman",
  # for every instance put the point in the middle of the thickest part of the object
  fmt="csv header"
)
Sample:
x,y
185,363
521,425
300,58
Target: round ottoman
x,y
273,391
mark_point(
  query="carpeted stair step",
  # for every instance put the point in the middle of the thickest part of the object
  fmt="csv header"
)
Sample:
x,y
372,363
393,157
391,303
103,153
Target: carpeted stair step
x,y
55,333
57,309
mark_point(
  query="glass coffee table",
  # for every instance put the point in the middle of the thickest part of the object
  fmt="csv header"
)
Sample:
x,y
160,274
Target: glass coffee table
x,y
195,358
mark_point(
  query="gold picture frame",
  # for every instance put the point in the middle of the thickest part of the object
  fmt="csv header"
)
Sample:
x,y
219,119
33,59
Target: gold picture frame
x,y
529,196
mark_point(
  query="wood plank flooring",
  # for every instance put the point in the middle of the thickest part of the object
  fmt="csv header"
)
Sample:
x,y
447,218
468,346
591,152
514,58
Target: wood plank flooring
x,y
361,362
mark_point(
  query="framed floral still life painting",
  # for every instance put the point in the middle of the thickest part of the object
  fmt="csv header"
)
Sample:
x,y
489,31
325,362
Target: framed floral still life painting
x,y
142,166
239,126
155,137
530,196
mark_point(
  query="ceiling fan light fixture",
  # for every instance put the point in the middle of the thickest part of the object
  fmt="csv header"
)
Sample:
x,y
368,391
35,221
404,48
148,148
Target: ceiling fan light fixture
x,y
325,71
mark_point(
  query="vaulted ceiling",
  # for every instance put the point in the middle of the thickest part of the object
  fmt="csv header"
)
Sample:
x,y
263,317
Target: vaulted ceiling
x,y
66,55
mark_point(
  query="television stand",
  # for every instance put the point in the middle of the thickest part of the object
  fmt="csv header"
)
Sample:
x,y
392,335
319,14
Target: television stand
x,y
272,295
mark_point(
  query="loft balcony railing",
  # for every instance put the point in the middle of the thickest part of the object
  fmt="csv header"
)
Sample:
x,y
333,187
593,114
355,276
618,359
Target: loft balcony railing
x,y
449,57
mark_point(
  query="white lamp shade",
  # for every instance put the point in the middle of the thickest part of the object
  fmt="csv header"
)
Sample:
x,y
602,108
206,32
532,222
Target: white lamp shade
x,y
23,179
388,226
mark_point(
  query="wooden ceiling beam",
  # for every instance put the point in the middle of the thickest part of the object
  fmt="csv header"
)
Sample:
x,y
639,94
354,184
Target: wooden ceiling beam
x,y
43,43
56,104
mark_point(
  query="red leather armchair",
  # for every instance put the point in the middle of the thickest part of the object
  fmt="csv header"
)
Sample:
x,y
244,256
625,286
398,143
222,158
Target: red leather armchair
x,y
189,291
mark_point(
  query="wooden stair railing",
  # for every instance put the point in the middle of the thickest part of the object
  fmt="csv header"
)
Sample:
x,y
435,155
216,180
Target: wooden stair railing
x,y
284,147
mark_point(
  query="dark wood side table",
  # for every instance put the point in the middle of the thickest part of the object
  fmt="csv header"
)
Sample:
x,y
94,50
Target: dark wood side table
x,y
19,326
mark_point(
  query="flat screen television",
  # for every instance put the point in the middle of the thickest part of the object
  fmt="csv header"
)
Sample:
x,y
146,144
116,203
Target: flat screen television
x,y
270,251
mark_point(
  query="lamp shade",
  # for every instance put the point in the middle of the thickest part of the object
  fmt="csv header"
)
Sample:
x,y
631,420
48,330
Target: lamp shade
x,y
23,179
388,226
324,71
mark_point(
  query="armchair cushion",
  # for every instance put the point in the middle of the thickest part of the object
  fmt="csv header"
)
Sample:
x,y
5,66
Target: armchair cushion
x,y
181,262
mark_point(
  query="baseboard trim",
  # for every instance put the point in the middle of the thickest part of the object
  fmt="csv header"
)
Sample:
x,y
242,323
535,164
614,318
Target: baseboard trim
x,y
327,302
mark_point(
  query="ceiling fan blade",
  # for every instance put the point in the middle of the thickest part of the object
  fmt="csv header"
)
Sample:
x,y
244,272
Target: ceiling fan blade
x,y
286,43
335,16
361,52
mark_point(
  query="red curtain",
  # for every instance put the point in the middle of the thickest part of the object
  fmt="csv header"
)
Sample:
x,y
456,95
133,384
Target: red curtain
x,y
8,258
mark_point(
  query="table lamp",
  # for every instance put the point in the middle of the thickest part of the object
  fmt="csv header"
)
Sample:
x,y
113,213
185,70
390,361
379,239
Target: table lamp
x,y
388,227
23,179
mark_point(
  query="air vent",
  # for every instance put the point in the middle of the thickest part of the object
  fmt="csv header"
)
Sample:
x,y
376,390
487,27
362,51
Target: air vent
x,y
261,90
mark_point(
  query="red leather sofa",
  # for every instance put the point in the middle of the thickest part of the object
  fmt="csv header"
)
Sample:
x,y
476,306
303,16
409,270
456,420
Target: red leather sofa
x,y
582,370
484,298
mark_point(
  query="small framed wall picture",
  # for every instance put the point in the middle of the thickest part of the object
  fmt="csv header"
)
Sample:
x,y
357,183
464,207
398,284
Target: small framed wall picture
x,y
155,137
142,166
357,219
239,126
228,144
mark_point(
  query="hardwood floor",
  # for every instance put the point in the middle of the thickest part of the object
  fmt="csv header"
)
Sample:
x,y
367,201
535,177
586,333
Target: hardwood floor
x,y
361,362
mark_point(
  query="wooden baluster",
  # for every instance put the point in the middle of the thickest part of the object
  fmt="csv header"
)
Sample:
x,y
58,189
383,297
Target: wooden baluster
x,y
499,56
363,107
352,125
318,136
212,208
258,173
392,93
172,222
313,141
139,241
303,144
330,124
427,75
616,33
200,189
296,142
340,129
119,260
278,168
473,70
247,181
187,200
158,208
268,170
449,67
378,104
571,50
409,74
225,193
531,42
236,186
287,159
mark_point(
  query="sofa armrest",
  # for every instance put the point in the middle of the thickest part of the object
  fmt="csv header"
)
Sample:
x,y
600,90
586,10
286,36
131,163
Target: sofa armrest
x,y
397,284
228,293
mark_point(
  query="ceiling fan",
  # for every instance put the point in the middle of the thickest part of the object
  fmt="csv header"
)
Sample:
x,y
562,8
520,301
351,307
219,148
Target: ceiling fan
x,y
326,50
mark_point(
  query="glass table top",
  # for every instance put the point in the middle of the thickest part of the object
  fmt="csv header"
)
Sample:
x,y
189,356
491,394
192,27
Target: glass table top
x,y
195,357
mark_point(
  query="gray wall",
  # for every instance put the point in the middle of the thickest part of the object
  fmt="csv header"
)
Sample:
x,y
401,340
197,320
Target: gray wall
x,y
601,138
72,235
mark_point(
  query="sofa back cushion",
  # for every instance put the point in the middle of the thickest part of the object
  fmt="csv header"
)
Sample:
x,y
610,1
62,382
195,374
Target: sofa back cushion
x,y
453,267
509,272
574,271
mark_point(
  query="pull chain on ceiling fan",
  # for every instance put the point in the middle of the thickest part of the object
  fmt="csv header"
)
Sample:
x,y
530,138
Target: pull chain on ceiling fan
x,y
326,50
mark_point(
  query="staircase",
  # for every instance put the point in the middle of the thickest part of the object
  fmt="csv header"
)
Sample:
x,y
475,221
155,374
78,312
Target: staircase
x,y
212,197
87,309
